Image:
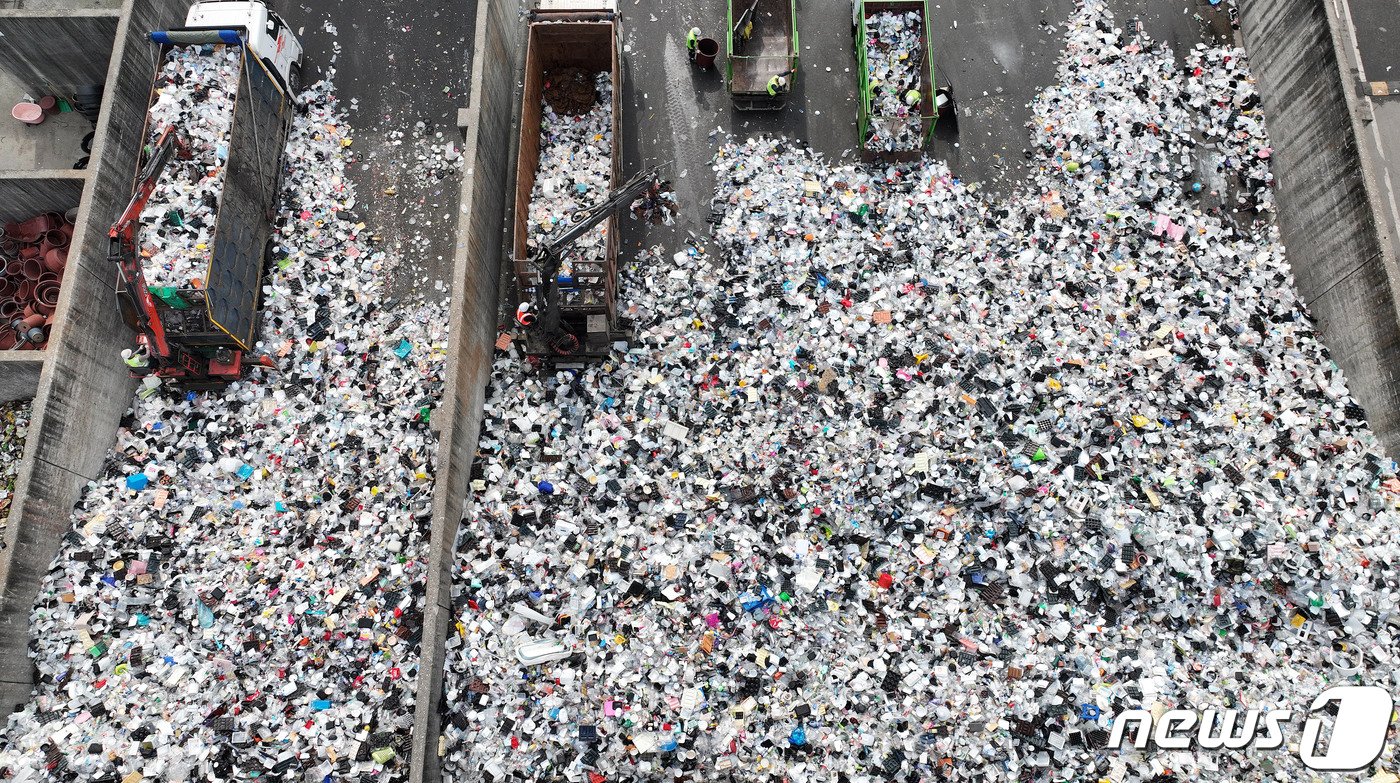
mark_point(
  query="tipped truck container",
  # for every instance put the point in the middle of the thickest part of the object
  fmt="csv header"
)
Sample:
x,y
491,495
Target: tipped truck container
x,y
582,34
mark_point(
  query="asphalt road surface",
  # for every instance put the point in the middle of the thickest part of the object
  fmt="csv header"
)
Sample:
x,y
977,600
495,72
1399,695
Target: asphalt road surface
x,y
1377,23
398,63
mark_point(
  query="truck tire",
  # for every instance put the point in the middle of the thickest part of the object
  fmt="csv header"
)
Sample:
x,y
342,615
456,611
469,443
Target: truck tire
x,y
294,80
565,344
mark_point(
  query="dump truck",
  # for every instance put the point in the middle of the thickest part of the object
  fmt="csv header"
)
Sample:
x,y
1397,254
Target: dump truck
x,y
874,144
761,44
201,334
565,34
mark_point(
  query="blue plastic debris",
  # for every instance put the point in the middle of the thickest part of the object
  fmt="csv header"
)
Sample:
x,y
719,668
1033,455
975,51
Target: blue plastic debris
x,y
205,614
753,603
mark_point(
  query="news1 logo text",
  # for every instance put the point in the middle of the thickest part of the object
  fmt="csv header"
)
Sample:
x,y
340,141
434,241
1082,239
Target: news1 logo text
x,y
1356,740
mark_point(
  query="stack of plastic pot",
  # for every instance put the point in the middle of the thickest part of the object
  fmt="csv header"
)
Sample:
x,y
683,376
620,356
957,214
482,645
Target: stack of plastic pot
x,y
34,254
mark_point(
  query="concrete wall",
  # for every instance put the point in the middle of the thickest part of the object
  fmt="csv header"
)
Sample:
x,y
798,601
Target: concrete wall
x,y
54,52
24,195
1342,257
481,237
19,375
83,388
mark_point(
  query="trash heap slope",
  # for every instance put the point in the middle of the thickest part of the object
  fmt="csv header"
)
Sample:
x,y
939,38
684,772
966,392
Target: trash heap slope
x,y
14,430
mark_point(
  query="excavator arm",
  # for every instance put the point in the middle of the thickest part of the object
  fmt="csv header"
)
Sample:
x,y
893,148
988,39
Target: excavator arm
x,y
556,247
134,297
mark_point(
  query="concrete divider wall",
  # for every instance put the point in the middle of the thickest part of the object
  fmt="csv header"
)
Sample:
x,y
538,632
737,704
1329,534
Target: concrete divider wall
x,y
1343,261
19,375
24,195
486,189
83,390
53,53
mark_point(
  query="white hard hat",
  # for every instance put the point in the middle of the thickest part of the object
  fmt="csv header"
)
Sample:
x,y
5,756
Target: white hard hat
x,y
126,353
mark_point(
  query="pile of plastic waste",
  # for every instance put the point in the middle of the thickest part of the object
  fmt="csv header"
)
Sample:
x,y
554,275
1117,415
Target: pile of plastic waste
x,y
897,482
14,428
195,92
575,172
658,205
1219,86
894,64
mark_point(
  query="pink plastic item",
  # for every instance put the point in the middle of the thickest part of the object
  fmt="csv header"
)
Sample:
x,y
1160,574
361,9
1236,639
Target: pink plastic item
x,y
28,113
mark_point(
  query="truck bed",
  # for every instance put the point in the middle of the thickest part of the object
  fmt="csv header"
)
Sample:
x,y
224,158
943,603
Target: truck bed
x,y
224,312
769,51
927,107
586,41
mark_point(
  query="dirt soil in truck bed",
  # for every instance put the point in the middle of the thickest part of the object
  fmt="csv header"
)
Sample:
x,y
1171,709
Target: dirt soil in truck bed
x,y
570,91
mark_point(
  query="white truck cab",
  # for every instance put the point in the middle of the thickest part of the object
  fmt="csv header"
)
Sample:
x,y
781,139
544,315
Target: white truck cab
x,y
268,36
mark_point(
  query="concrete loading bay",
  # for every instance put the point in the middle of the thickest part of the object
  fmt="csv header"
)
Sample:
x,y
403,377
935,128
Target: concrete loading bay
x,y
997,56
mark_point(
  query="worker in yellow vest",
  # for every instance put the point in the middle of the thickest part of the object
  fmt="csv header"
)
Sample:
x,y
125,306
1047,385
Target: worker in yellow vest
x,y
138,360
913,97
692,42
778,84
